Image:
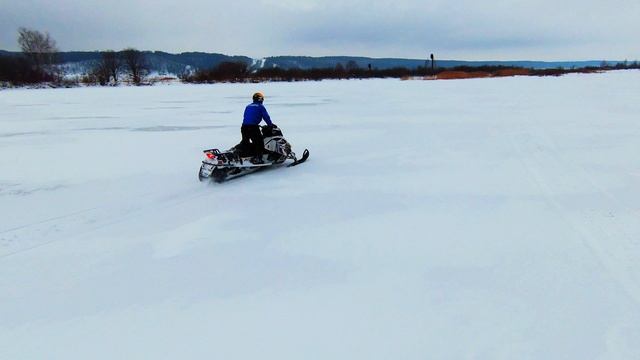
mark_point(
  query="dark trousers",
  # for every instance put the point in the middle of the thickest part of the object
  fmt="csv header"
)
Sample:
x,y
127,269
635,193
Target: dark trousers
x,y
252,138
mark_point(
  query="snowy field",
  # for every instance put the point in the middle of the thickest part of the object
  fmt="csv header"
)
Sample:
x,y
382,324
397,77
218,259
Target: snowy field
x,y
463,219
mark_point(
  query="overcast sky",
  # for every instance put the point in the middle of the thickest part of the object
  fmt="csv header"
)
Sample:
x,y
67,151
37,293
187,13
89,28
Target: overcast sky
x,y
462,29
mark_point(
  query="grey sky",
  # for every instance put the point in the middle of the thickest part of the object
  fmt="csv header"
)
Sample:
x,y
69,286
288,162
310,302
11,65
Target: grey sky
x,y
464,29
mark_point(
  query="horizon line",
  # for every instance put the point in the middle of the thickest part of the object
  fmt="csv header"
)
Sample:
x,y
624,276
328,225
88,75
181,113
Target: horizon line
x,y
335,56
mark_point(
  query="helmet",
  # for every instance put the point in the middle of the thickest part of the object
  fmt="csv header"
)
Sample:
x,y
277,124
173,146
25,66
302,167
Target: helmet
x,y
258,97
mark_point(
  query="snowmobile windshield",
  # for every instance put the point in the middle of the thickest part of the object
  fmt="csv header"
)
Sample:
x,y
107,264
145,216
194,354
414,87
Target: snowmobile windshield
x,y
269,131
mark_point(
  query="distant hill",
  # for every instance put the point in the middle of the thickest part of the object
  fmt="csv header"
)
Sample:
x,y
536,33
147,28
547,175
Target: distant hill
x,y
167,63
304,62
158,61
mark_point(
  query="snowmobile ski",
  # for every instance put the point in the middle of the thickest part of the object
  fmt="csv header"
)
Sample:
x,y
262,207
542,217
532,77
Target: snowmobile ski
x,y
305,156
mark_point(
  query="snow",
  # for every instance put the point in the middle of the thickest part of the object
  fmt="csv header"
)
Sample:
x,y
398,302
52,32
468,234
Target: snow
x,y
258,63
462,219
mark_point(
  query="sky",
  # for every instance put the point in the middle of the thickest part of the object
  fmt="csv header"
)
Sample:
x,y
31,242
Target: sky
x,y
464,29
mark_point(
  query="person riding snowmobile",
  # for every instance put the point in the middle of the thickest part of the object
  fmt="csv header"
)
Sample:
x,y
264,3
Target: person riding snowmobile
x,y
254,113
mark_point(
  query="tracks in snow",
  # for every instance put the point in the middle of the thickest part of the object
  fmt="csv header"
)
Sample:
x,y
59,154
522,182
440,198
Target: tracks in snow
x,y
607,227
84,222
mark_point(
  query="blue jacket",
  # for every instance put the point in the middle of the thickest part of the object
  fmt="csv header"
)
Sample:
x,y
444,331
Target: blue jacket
x,y
254,113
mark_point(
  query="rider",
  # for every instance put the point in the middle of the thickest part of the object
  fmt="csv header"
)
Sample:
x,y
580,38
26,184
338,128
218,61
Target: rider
x,y
254,113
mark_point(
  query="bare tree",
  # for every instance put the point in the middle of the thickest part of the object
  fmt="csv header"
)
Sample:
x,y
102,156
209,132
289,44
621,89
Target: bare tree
x,y
111,64
100,73
104,69
39,47
135,63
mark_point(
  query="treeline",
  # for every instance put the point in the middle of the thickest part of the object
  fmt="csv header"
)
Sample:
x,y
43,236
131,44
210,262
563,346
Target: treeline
x,y
240,72
19,70
604,66
39,63
115,66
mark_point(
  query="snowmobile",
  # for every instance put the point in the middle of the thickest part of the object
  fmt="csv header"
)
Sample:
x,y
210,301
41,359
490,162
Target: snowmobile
x,y
241,160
